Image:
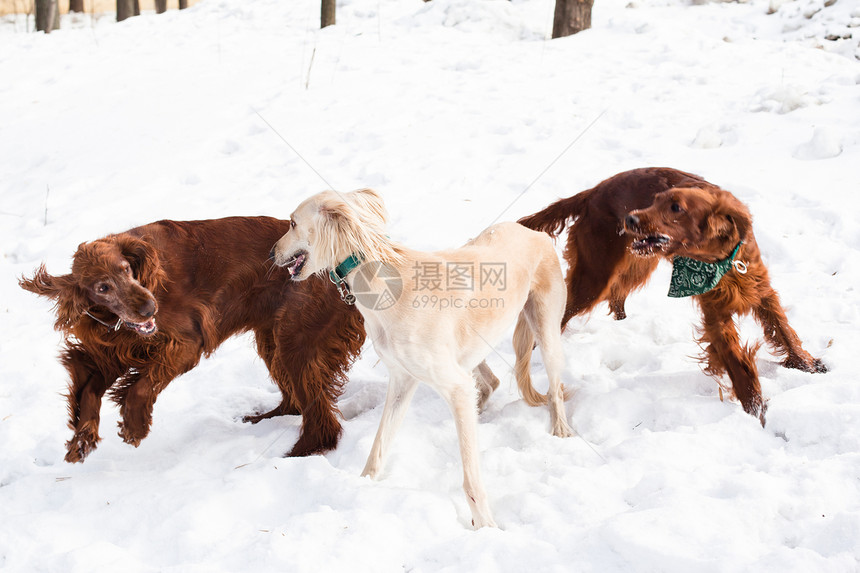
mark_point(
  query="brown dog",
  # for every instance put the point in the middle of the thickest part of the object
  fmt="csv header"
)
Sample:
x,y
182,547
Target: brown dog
x,y
623,225
141,307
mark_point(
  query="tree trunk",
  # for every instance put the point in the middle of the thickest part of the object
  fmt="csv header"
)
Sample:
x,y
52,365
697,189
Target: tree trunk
x,y
327,13
137,7
47,15
183,4
124,9
160,6
571,16
76,6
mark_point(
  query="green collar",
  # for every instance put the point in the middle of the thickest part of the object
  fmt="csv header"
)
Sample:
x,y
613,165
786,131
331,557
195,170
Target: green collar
x,y
339,273
691,277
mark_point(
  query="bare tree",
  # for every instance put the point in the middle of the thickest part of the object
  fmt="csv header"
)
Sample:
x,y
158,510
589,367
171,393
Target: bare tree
x,y
327,13
571,16
47,15
76,6
124,9
160,6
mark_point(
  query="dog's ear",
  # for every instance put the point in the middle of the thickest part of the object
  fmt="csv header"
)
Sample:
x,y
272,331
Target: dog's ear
x,y
356,225
45,284
370,206
143,259
70,299
730,218
342,230
338,217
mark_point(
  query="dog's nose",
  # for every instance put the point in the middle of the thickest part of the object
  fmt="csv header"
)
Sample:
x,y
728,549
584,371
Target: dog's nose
x,y
147,309
631,221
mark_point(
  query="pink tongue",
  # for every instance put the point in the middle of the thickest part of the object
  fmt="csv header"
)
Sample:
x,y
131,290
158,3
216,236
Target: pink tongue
x,y
299,260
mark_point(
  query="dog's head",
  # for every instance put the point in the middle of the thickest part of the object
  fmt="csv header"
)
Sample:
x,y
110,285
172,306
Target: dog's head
x,y
703,224
115,273
328,227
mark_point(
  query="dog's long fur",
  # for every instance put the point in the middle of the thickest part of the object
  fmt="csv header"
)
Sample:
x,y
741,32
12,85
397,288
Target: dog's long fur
x,y
197,283
701,221
423,342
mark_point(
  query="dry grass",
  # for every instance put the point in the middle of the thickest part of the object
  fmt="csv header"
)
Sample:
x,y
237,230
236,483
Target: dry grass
x,y
90,6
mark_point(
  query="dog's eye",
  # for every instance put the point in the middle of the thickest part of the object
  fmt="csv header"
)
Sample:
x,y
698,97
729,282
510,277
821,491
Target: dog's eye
x,y
292,224
676,207
102,288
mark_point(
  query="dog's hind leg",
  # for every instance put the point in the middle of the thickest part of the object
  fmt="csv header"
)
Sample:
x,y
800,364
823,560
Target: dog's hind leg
x,y
782,337
592,257
486,383
554,361
315,349
459,391
633,273
401,388
542,312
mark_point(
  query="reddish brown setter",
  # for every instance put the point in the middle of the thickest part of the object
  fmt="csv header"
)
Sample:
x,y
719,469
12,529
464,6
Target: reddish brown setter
x,y
141,307
621,228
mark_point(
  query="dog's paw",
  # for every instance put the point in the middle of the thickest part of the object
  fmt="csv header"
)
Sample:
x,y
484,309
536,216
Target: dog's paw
x,y
312,443
757,407
817,367
484,523
255,419
128,436
806,364
372,468
285,408
562,431
81,445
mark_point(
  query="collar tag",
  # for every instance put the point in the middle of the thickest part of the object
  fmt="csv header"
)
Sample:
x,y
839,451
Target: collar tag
x,y
338,276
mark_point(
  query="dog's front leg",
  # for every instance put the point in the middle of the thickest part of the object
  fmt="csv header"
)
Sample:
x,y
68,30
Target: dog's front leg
x,y
782,337
267,348
462,401
401,388
86,388
725,354
137,396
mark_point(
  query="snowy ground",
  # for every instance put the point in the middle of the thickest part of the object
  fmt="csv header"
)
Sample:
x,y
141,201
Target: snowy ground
x,y
454,110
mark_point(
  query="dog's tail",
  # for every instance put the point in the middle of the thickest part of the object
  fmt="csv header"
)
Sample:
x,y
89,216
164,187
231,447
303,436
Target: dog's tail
x,y
553,219
524,342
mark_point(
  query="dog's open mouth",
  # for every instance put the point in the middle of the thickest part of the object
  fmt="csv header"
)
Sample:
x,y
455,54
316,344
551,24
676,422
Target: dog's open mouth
x,y
650,244
296,262
143,328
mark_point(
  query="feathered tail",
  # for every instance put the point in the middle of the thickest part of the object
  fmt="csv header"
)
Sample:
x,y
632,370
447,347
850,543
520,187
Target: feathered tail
x,y
554,218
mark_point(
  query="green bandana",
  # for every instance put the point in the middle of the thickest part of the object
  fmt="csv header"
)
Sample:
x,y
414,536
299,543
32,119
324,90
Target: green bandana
x,y
691,277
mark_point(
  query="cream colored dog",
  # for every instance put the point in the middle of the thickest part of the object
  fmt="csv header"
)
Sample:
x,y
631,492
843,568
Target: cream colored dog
x,y
438,338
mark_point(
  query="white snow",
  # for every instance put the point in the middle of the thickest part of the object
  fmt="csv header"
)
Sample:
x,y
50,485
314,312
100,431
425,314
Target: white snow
x,y
825,143
460,112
